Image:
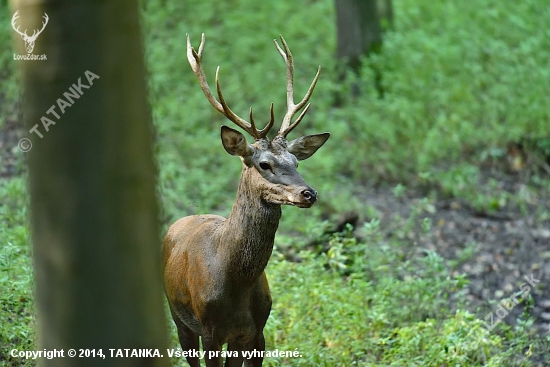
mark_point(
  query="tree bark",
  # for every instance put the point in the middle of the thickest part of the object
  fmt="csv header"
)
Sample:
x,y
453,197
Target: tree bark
x,y
92,177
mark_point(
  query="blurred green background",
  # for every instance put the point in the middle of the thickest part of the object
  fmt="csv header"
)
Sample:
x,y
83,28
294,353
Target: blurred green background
x,y
465,101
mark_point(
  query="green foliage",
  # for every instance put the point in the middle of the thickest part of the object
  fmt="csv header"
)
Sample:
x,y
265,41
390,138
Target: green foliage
x,y
458,78
460,81
377,302
16,274
374,303
9,93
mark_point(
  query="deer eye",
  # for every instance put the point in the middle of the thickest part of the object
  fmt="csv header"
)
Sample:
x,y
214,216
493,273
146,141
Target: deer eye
x,y
265,166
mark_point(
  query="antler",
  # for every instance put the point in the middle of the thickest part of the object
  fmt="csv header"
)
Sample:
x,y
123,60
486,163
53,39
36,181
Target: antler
x,y
36,33
292,108
24,34
195,60
15,16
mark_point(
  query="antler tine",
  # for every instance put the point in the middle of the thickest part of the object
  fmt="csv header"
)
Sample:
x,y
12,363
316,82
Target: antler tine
x,y
46,19
263,132
292,108
13,19
243,124
287,56
295,123
195,60
45,16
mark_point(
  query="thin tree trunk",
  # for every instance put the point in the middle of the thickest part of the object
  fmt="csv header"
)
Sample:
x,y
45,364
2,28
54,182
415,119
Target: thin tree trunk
x,y
92,176
358,30
385,13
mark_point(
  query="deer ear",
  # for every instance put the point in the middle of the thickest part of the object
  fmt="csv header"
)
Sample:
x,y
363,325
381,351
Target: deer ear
x,y
305,146
235,143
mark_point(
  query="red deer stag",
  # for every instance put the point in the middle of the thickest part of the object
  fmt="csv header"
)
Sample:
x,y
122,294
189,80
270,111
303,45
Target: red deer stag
x,y
214,267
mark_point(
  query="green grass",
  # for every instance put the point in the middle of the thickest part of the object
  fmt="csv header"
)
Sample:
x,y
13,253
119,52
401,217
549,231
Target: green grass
x,y
17,312
462,81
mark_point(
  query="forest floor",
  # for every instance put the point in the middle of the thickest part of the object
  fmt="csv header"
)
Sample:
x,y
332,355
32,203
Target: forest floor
x,y
495,249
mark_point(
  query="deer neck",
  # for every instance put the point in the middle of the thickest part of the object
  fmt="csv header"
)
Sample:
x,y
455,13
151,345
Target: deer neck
x,y
249,231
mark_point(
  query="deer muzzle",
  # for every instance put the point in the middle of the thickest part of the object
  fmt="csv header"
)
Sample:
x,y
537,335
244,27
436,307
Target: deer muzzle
x,y
304,197
309,195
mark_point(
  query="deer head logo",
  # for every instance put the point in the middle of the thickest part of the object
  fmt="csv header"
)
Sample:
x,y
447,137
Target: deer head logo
x,y
29,40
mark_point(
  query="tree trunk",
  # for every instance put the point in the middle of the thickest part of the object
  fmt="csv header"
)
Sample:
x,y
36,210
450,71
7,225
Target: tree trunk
x,y
358,30
385,13
92,182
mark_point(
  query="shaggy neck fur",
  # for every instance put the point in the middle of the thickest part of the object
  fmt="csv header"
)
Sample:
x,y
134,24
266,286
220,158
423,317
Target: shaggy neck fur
x,y
249,231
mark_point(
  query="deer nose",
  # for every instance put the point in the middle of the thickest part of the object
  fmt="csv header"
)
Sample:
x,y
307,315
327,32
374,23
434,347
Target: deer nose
x,y
310,195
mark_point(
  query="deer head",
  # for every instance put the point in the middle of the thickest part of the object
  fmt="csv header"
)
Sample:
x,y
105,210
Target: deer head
x,y
29,40
271,163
